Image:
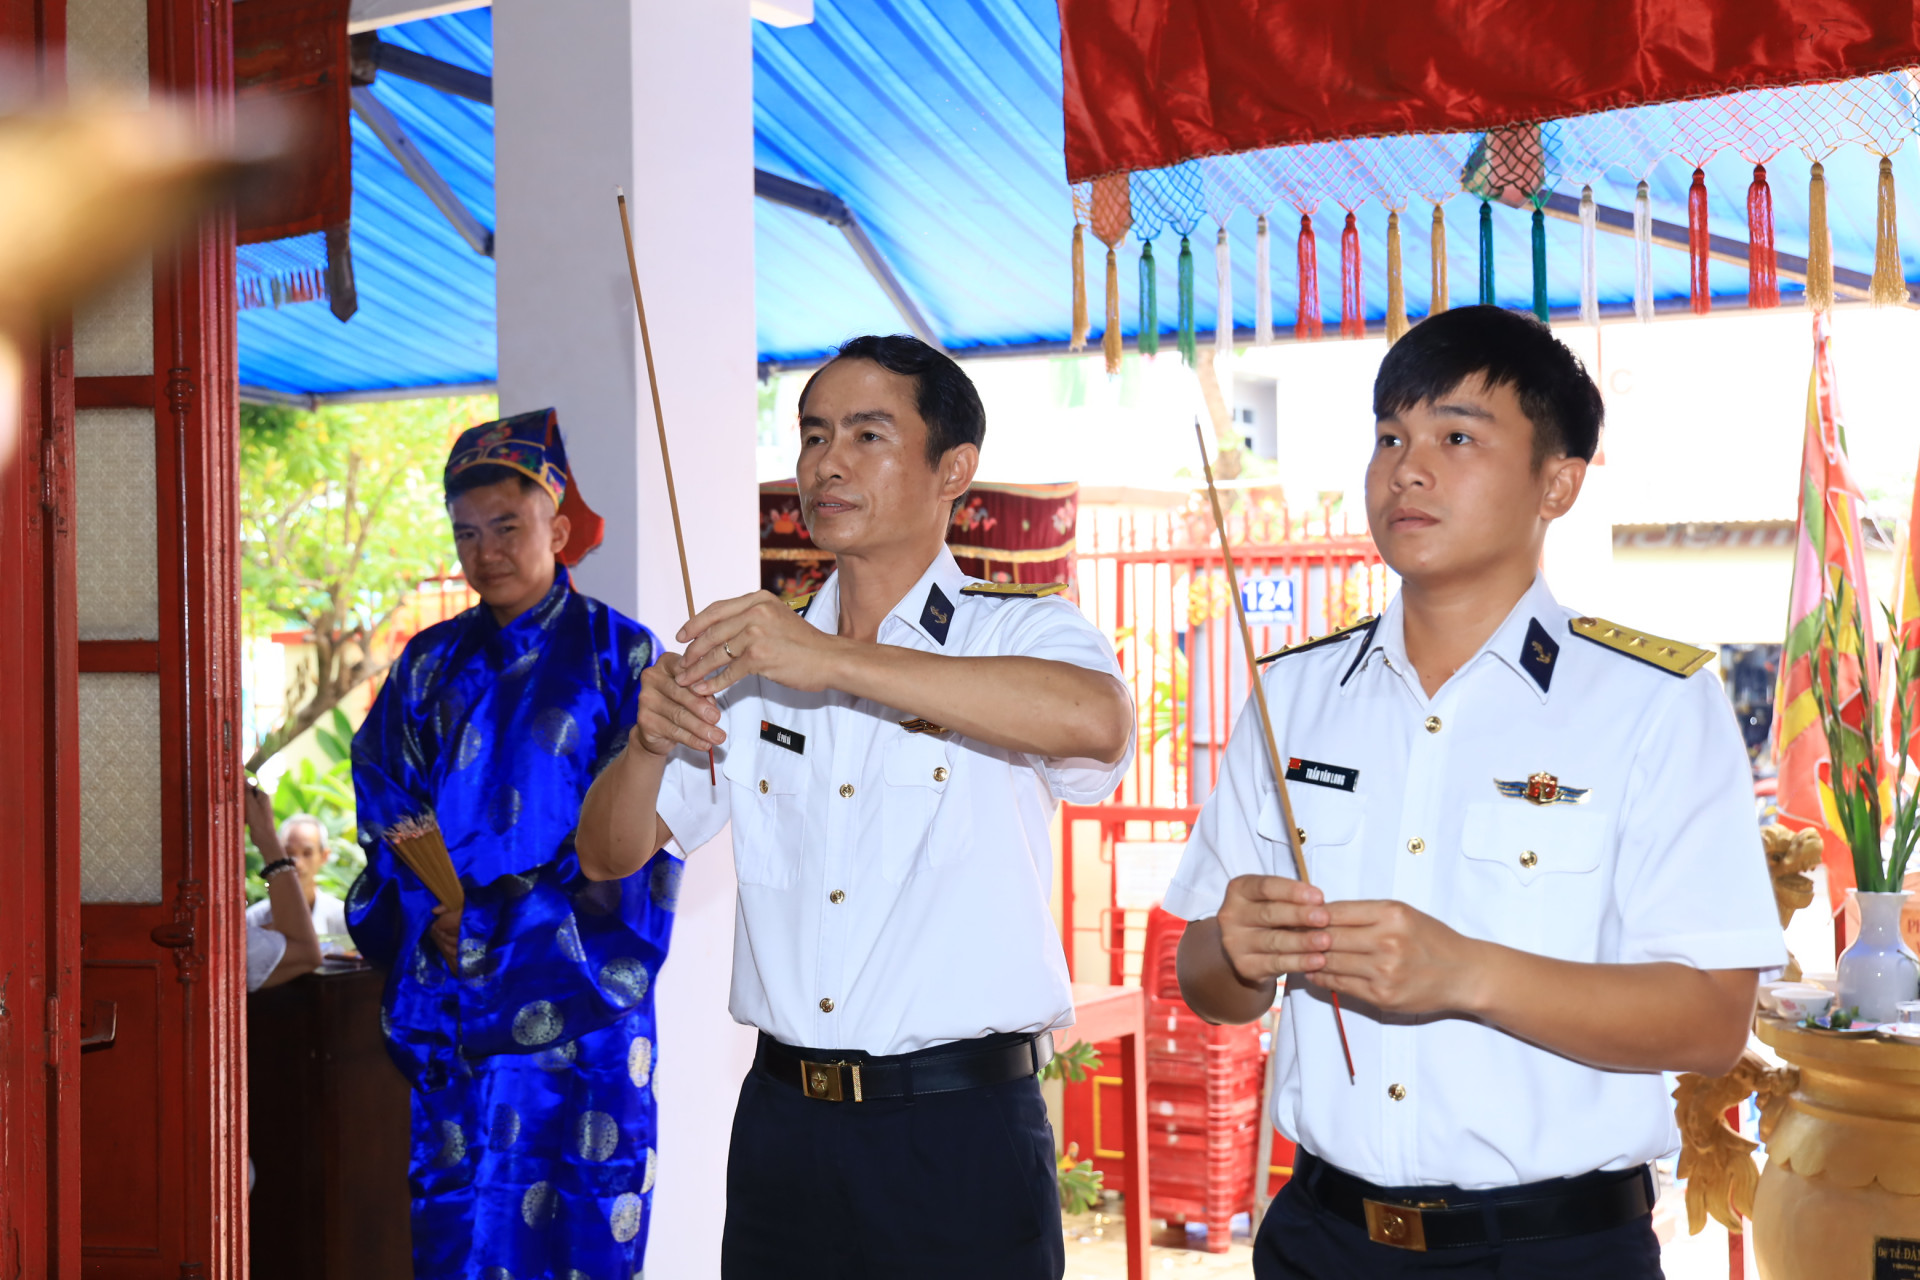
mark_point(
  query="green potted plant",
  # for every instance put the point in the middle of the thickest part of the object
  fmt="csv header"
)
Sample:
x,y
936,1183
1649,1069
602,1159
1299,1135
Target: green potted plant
x,y
1877,806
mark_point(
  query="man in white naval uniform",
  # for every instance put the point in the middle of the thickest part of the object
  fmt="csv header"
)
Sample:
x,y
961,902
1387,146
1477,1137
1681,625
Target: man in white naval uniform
x,y
890,757
1537,881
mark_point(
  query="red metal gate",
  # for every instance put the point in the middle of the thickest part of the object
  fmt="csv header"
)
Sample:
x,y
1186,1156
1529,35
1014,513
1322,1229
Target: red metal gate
x,y
1156,585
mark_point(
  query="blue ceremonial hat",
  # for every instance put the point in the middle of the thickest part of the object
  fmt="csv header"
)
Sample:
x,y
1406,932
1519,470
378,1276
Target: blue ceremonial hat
x,y
531,444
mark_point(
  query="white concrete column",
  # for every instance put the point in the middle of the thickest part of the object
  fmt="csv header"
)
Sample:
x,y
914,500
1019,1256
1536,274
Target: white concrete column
x,y
657,97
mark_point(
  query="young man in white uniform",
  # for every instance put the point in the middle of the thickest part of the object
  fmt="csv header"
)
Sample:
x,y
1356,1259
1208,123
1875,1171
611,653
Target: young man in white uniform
x,y
890,757
1537,881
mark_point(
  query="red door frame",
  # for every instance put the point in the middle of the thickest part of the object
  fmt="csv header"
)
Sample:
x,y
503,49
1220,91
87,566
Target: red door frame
x,y
202,1113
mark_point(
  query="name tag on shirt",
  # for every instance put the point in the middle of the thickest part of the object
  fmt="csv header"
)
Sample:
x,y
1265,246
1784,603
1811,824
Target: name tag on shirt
x,y
794,742
1336,776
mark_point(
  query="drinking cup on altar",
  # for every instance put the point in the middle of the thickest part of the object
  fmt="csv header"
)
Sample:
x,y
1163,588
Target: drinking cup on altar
x,y
1797,1002
1909,1011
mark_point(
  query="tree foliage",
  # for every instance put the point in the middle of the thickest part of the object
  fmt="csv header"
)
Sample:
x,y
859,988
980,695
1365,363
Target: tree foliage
x,y
341,517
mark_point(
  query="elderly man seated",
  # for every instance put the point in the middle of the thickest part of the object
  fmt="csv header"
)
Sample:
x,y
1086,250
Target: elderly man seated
x,y
303,838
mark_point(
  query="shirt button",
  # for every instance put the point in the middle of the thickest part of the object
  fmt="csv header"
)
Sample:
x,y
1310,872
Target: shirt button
x,y
1433,724
763,786
1398,1092
1529,858
940,774
846,791
1416,845
826,1006
837,897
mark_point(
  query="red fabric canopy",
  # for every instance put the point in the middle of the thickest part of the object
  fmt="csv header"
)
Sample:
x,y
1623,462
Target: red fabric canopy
x,y
1151,83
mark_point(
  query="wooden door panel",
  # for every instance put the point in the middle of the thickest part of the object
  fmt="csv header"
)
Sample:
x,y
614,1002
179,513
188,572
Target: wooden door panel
x,y
122,1101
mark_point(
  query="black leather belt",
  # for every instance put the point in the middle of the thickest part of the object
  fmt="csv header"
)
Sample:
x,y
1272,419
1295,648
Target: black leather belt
x,y
839,1075
1422,1218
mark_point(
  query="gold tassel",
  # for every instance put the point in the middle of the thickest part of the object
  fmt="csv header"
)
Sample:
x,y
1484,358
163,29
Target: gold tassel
x,y
1078,340
1396,290
1110,344
1819,244
1439,303
1889,280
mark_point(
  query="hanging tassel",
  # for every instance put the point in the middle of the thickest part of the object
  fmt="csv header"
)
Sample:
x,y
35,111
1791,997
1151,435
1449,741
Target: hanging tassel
x,y
1262,286
1353,304
1540,312
1763,268
1642,253
1189,351
1396,287
1223,313
1077,341
1486,254
1111,202
1889,279
1149,336
1306,320
1589,277
1438,243
1699,290
1819,245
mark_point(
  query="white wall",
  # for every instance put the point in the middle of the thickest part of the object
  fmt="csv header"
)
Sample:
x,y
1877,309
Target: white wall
x,y
657,97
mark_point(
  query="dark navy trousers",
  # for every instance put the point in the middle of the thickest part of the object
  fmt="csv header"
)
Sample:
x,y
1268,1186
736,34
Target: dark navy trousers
x,y
957,1185
1301,1241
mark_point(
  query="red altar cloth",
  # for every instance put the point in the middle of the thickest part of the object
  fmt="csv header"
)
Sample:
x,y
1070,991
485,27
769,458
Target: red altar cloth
x,y
1151,83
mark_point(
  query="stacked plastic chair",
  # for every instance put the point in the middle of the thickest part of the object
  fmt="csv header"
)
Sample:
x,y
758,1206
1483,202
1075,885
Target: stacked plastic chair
x,y
1203,1099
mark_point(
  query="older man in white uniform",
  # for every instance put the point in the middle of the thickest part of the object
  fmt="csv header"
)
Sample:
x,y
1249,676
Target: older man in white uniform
x,y
1536,877
890,759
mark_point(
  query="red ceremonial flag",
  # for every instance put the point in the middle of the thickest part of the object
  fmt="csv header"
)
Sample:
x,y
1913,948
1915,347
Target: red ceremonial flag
x,y
1829,565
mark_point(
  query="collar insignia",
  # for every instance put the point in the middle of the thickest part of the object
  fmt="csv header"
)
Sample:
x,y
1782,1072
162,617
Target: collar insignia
x,y
921,724
1537,653
1542,789
938,615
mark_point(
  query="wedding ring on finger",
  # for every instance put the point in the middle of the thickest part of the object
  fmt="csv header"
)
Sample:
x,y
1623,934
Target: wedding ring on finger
x,y
726,648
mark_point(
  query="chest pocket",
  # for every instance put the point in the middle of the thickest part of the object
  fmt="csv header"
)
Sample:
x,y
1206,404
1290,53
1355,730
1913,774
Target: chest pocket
x,y
1333,821
1533,877
769,814
918,770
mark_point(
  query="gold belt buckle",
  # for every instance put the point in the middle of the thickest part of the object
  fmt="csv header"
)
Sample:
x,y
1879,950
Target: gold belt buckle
x,y
822,1080
1399,1225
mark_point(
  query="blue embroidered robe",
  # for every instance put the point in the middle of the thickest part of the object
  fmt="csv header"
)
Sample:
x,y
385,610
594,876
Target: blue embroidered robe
x,y
533,1111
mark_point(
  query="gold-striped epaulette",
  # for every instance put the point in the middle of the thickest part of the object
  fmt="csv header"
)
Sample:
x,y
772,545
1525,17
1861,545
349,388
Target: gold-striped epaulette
x,y
799,603
1670,656
1019,590
1317,641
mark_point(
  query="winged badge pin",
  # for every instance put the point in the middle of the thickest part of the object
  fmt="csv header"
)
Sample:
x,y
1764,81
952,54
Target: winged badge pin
x,y
1542,788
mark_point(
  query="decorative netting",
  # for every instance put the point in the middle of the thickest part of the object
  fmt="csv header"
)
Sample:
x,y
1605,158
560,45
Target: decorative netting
x,y
1547,166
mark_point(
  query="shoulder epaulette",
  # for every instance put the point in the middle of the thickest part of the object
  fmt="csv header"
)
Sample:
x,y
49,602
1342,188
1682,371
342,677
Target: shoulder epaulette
x,y
1670,656
1020,590
799,603
1317,641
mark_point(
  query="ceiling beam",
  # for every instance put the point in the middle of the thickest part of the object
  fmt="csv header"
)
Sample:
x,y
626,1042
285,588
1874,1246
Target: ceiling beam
x,y
371,54
377,118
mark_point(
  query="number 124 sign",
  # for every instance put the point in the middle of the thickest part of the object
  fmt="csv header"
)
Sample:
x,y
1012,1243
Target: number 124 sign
x,y
1268,601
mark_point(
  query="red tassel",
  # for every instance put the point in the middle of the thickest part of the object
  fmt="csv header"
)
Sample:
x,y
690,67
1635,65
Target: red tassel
x,y
1353,313
1697,243
1306,322
1763,271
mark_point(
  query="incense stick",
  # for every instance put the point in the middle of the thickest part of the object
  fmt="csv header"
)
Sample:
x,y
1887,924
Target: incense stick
x,y
418,843
660,422
1266,719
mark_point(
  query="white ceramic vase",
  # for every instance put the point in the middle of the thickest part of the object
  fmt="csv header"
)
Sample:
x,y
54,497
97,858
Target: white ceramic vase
x,y
1878,970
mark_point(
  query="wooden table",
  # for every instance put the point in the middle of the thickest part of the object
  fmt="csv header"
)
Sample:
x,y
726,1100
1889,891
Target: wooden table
x,y
328,1125
1110,1013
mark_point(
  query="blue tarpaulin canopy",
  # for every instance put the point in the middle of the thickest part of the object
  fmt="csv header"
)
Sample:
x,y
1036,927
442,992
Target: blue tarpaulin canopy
x,y
940,128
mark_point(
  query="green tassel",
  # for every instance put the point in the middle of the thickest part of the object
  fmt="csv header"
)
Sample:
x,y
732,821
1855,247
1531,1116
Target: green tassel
x,y
1540,265
1149,301
1188,349
1486,254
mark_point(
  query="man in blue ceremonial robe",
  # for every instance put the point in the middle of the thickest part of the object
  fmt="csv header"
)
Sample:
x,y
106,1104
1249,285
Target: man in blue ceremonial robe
x,y
523,1018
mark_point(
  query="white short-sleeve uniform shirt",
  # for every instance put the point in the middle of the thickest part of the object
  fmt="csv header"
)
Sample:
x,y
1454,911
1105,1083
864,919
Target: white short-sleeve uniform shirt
x,y
895,878
1399,796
